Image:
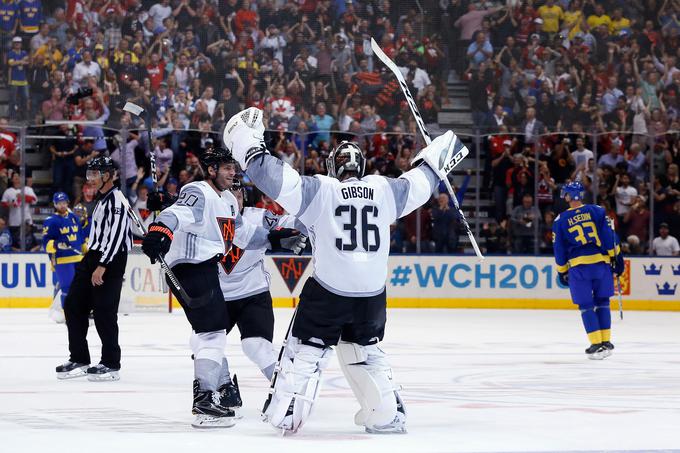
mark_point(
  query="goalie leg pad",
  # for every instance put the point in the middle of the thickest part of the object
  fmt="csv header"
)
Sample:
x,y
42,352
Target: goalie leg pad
x,y
297,387
208,349
443,154
261,352
370,377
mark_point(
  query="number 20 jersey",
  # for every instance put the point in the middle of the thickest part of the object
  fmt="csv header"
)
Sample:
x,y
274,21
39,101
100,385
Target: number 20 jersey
x,y
204,224
582,236
348,222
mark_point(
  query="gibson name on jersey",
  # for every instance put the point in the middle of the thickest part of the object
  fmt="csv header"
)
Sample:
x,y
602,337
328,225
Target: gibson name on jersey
x,y
357,192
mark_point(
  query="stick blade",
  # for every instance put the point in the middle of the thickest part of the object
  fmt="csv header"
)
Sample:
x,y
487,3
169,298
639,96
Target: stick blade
x,y
133,108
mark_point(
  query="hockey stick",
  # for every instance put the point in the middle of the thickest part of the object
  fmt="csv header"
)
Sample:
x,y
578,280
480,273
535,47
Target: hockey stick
x,y
277,367
617,251
174,282
426,136
137,111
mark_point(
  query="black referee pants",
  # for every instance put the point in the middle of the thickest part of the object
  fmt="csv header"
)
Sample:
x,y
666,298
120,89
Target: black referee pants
x,y
102,301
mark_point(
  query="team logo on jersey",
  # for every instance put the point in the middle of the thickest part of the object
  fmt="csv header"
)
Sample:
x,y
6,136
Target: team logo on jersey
x,y
227,230
291,269
230,260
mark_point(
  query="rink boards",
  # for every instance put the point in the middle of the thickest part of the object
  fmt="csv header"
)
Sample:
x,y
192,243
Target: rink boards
x,y
413,281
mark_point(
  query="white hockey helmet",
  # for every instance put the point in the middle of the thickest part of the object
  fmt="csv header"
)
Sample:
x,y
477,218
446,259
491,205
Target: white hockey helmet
x,y
346,157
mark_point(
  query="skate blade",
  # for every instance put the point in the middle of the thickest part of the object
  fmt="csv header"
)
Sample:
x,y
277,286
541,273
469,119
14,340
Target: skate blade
x,y
394,430
113,376
210,422
73,374
596,356
607,353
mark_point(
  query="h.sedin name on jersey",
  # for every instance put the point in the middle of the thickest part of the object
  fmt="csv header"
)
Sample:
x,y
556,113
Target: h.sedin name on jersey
x,y
357,192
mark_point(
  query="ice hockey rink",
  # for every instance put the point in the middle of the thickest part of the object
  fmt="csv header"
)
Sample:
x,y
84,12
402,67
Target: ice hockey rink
x,y
473,381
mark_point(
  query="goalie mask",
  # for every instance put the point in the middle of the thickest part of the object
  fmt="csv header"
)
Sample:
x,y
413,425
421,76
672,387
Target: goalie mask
x,y
345,158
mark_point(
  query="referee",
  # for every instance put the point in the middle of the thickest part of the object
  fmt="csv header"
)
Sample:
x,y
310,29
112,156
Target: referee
x,y
98,280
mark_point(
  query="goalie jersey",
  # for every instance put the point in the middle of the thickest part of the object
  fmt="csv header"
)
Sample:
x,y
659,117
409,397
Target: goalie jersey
x,y
583,236
205,224
242,272
348,222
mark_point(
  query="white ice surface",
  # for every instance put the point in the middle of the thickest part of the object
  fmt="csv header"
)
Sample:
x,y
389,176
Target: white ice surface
x,y
474,381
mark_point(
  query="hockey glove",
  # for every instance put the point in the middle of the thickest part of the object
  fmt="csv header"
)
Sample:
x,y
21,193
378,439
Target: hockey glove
x,y
618,267
244,136
563,277
157,241
157,201
286,239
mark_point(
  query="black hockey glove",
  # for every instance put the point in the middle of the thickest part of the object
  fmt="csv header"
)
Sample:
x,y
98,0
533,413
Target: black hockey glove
x,y
563,277
157,241
617,265
286,239
155,200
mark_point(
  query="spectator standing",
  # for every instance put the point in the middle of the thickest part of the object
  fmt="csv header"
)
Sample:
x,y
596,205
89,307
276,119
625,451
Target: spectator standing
x,y
85,69
479,50
665,244
16,202
54,108
444,226
581,154
636,220
5,237
523,218
63,151
637,163
18,82
30,16
324,122
532,127
9,20
624,194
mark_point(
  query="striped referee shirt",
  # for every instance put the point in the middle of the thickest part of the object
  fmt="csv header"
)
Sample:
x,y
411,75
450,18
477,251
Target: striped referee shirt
x,y
110,233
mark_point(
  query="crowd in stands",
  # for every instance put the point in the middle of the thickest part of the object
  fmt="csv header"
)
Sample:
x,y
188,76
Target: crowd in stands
x,y
575,90
535,70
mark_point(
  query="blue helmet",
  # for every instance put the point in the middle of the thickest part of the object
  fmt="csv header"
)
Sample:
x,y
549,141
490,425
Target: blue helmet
x,y
574,189
59,196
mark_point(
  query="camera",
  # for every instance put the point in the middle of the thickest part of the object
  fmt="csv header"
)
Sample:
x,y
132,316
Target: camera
x,y
82,93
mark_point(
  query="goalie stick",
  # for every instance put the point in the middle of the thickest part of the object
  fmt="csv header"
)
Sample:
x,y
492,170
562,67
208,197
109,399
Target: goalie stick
x,y
174,282
426,136
277,367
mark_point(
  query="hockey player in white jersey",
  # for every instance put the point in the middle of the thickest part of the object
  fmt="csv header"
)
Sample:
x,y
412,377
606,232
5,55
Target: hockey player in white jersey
x,y
193,234
245,286
347,216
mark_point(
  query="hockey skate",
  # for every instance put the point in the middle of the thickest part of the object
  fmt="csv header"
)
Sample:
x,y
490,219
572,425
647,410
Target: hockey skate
x,y
70,370
230,396
102,373
596,352
208,410
608,348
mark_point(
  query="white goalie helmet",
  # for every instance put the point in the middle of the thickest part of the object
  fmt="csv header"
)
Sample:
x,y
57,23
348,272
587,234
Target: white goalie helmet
x,y
346,157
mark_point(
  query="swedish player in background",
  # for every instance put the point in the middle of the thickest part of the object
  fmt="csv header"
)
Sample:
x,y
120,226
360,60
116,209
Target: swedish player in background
x,y
63,241
587,252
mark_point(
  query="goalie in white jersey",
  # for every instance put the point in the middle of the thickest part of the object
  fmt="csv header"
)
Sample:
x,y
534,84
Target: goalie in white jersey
x,y
347,216
245,285
193,234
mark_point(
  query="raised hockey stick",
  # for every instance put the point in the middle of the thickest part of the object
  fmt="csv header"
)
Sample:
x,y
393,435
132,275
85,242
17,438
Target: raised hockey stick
x,y
137,111
176,286
426,136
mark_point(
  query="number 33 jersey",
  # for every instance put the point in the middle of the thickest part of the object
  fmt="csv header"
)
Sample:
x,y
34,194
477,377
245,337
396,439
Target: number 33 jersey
x,y
348,222
582,236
